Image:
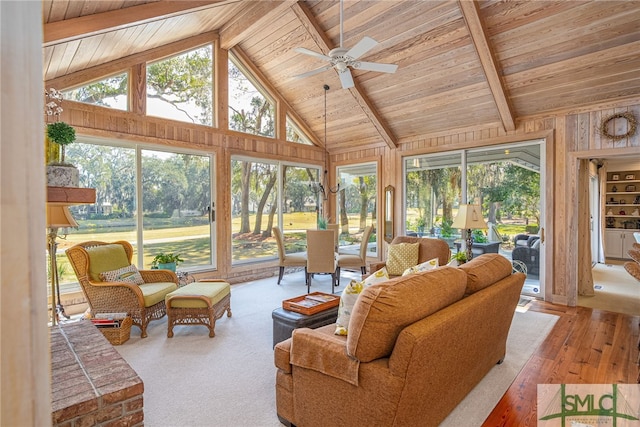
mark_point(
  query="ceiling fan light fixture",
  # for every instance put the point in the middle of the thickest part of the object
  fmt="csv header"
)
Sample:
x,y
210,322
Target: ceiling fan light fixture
x,y
341,59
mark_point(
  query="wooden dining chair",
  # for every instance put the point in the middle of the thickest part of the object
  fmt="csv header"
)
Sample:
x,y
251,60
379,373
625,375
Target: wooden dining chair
x,y
321,258
286,260
358,260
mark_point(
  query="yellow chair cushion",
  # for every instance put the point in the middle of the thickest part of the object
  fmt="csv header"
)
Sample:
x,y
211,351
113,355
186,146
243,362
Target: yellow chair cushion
x,y
106,258
402,256
213,291
153,293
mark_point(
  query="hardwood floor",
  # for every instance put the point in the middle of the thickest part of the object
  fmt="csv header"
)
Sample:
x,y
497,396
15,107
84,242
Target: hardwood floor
x,y
586,346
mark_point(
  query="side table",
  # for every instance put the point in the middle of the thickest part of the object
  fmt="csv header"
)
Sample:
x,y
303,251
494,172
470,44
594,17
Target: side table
x,y
285,321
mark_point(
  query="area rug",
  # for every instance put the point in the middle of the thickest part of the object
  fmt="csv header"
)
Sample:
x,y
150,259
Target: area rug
x,y
615,290
229,380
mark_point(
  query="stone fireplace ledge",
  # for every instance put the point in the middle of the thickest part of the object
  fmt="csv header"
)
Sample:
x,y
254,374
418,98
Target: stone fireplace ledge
x,y
91,383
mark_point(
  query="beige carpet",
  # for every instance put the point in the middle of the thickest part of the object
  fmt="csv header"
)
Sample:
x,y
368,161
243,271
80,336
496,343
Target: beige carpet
x,y
229,380
615,290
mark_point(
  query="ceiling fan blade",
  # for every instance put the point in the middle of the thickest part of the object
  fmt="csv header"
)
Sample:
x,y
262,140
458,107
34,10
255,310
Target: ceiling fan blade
x,y
362,47
312,53
346,79
375,66
313,72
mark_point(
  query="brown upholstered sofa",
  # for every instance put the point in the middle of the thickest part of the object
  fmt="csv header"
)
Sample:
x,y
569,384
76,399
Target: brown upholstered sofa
x,y
416,346
429,248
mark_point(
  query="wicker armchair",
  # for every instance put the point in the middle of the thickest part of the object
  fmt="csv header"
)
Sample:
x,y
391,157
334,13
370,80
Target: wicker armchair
x,y
144,302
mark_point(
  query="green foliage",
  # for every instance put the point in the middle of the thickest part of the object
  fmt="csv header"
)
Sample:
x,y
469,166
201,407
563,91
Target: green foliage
x,y
446,230
479,236
532,229
166,258
322,223
460,256
61,133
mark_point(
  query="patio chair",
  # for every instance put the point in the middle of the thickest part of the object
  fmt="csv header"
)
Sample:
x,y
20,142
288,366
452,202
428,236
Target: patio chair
x,y
112,284
286,260
528,253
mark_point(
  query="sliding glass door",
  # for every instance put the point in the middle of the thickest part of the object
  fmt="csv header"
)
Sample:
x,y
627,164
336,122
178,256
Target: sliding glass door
x,y
504,180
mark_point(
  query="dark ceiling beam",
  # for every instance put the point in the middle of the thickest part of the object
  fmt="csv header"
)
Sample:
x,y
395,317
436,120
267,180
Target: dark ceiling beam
x,y
470,12
317,34
99,23
250,20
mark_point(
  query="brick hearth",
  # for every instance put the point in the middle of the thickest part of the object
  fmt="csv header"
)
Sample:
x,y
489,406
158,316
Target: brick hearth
x,y
92,385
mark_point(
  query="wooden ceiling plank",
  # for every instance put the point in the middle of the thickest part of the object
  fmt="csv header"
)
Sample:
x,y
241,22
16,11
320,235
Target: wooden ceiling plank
x,y
251,20
471,15
89,25
323,42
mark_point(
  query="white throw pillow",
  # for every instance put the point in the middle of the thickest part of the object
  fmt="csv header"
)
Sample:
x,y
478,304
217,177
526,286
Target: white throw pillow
x,y
128,274
350,296
425,266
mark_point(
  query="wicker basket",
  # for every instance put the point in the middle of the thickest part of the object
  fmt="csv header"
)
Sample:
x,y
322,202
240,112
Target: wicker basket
x,y
117,336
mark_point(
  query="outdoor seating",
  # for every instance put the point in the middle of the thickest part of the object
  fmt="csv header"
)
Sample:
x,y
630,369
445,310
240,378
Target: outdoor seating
x,y
528,253
140,293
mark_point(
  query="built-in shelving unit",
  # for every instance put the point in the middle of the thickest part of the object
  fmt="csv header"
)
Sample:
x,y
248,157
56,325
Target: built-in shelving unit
x,y
621,212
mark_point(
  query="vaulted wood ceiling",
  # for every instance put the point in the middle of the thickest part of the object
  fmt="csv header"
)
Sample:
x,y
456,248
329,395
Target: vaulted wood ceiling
x,y
462,64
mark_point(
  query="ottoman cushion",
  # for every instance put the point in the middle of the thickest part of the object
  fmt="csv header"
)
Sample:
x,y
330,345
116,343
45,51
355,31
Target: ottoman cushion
x,y
214,291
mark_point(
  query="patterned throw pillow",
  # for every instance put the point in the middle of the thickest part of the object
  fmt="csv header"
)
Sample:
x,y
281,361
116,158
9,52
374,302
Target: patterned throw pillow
x,y
350,296
402,256
128,274
425,266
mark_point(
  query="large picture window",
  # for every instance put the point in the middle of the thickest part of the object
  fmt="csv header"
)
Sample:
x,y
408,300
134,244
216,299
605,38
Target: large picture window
x,y
251,110
111,92
265,194
357,206
181,87
504,180
156,200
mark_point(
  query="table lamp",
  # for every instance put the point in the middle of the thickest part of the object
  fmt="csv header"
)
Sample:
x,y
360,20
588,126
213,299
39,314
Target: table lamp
x,y
58,216
469,218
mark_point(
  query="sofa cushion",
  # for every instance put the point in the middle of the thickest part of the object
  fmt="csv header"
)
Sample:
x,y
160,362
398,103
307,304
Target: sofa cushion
x,y
384,310
402,256
485,270
425,266
350,295
106,258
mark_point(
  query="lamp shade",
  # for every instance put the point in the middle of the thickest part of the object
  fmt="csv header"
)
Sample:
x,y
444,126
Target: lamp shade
x,y
58,216
469,217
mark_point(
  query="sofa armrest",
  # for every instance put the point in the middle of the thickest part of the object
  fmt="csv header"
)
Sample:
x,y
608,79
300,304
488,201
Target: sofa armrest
x,y
282,355
376,265
323,353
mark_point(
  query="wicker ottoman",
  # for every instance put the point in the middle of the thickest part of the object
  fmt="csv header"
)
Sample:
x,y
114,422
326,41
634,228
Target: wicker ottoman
x,y
198,303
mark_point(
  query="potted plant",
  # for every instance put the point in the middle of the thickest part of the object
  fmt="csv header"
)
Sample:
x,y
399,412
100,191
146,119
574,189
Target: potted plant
x,y
60,173
166,261
61,134
460,257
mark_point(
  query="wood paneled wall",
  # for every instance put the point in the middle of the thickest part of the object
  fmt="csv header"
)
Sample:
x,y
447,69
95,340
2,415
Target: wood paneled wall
x,y
569,135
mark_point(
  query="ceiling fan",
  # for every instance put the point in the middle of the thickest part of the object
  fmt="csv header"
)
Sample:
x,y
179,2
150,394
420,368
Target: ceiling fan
x,y
341,58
